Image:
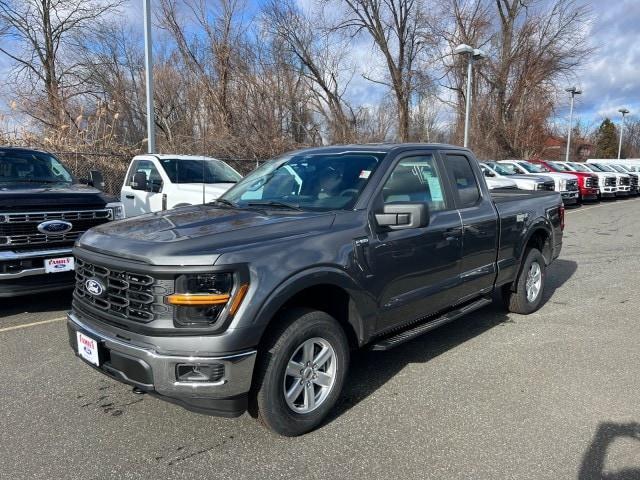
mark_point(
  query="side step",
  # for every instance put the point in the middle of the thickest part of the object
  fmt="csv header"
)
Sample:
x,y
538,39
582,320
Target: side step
x,y
404,336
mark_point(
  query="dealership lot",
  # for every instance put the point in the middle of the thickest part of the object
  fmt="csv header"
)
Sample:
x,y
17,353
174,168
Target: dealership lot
x,y
493,395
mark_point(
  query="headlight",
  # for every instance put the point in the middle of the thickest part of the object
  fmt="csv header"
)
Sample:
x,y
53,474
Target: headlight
x,y
200,299
117,210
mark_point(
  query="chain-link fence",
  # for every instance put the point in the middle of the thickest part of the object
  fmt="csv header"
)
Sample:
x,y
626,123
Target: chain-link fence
x,y
114,166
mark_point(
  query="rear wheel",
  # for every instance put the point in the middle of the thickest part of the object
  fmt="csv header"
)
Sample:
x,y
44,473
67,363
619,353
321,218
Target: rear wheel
x,y
529,285
300,372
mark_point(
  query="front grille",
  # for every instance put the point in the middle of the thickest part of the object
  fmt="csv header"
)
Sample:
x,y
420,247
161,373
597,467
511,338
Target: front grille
x,y
634,180
610,182
591,182
550,186
127,295
572,185
21,229
624,181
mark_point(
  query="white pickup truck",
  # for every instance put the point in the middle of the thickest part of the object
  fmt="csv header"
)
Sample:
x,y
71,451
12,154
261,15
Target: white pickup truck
x,y
157,182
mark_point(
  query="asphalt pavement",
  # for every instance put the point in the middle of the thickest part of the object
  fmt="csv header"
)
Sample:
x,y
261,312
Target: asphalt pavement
x,y
493,395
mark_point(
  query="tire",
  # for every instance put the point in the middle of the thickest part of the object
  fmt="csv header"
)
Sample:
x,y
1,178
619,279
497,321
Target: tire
x,y
522,300
298,414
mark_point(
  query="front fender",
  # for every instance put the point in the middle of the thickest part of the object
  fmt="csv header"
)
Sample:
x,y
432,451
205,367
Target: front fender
x,y
362,311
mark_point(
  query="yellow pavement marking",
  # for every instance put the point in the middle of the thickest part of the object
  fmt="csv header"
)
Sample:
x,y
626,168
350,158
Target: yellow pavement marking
x,y
33,324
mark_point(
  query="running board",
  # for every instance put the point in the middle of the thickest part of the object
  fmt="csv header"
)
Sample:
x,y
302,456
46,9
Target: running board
x,y
393,341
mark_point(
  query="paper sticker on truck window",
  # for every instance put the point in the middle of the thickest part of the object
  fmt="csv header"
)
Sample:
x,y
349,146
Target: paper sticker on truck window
x,y
435,189
365,174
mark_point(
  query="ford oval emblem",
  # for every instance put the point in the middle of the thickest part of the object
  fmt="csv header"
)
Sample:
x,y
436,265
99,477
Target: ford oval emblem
x,y
54,226
94,287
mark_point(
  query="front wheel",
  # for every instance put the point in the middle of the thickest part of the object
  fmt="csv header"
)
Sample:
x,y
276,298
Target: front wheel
x,y
529,285
300,372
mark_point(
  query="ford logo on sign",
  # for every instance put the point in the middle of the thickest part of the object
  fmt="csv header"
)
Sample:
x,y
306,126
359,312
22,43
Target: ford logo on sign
x,y
54,226
94,287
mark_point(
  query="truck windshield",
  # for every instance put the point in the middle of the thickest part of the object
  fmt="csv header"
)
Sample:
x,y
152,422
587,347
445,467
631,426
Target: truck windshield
x,y
199,171
560,167
579,168
502,169
604,168
32,167
531,168
618,168
307,181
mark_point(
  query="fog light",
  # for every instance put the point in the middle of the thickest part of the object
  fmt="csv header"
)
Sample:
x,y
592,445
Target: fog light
x,y
189,372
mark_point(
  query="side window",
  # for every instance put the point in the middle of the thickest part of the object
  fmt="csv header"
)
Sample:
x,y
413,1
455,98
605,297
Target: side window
x,y
416,179
465,185
154,180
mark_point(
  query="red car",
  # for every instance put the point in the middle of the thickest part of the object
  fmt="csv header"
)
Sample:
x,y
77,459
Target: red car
x,y
587,182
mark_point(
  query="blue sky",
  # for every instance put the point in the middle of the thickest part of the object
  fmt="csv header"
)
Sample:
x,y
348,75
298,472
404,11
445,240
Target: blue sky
x,y
610,80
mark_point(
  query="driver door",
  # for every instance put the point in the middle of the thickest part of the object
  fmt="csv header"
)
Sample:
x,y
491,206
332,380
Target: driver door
x,y
415,271
149,199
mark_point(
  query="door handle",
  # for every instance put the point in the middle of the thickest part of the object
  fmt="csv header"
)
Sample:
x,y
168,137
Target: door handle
x,y
452,234
130,197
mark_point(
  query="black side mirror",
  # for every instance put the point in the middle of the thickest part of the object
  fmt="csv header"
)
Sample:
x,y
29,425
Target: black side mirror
x,y
96,179
489,173
400,216
139,181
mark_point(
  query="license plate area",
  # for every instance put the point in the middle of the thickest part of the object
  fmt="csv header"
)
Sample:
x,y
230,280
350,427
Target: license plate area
x,y
57,265
89,349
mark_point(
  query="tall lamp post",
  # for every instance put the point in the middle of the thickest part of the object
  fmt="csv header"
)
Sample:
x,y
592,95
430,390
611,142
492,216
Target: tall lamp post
x,y
148,67
573,91
473,54
623,111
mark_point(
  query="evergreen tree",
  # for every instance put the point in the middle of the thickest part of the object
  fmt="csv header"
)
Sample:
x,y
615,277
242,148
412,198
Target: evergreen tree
x,y
607,140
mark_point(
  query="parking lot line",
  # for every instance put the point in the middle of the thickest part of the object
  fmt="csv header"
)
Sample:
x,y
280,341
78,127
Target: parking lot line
x,y
584,209
33,324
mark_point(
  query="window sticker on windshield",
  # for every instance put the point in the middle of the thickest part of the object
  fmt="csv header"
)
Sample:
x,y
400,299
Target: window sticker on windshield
x,y
365,174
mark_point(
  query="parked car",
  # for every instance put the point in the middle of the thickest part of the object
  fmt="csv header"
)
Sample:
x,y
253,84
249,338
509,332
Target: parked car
x,y
566,184
587,182
633,177
255,302
607,182
160,182
523,182
494,181
623,181
43,210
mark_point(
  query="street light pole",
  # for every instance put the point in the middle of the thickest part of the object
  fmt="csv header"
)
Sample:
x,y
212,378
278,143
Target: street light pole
x,y
473,54
573,91
148,65
623,111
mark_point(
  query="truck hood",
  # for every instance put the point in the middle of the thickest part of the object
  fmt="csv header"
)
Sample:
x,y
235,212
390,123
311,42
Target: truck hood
x,y
29,197
198,234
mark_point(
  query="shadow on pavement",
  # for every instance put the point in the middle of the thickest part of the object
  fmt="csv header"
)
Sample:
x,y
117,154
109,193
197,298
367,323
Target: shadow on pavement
x,y
371,370
593,461
37,303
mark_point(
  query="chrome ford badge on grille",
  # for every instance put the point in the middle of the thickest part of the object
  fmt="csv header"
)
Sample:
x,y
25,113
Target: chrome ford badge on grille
x,y
94,287
54,226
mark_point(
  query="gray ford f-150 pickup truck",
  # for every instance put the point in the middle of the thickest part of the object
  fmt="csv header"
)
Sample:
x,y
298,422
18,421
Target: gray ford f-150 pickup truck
x,y
254,302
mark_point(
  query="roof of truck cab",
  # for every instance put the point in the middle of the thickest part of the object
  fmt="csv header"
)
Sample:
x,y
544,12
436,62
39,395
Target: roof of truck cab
x,y
174,156
377,147
9,148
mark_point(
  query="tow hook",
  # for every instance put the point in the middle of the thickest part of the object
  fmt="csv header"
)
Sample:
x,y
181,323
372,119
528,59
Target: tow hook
x,y
137,391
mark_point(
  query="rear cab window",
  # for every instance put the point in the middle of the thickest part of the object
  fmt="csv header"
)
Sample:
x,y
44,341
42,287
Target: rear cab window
x,y
463,181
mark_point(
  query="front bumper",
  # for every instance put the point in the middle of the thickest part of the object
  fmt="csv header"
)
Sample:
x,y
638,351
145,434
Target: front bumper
x,y
589,194
570,197
156,373
23,272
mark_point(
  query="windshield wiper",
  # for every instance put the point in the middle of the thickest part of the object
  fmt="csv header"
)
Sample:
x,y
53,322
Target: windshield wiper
x,y
224,201
273,203
33,180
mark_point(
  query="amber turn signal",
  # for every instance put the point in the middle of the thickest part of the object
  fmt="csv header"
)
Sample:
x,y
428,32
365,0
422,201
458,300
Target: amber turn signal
x,y
237,300
197,299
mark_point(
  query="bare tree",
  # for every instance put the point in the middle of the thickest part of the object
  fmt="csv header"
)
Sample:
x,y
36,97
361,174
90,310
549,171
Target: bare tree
x,y
399,30
321,59
43,35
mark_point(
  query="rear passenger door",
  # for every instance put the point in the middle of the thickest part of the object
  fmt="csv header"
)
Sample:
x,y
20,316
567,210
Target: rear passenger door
x,y
479,225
